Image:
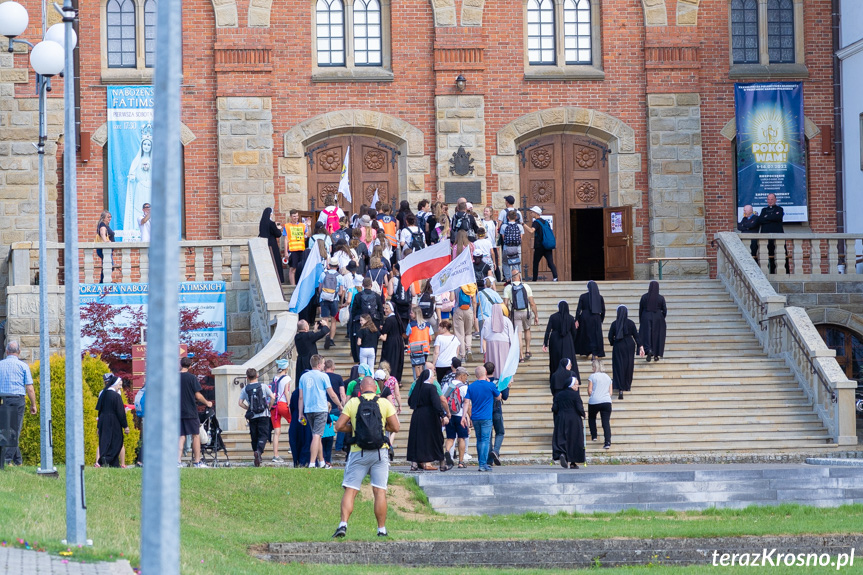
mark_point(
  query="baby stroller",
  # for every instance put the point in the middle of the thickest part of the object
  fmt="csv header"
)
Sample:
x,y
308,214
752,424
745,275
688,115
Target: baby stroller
x,y
211,448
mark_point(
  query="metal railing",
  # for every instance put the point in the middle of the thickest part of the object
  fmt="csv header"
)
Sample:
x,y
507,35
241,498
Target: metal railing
x,y
800,254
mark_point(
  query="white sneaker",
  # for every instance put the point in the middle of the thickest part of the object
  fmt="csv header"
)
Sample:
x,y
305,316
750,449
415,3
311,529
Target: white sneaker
x,y
467,457
180,464
200,465
277,459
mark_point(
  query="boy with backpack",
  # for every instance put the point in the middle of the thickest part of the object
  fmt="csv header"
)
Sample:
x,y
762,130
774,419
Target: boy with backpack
x,y
331,291
458,427
256,399
519,298
367,419
331,214
412,237
511,232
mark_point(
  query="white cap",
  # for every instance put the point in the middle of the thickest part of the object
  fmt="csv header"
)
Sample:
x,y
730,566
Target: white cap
x,y
479,252
537,210
334,261
380,374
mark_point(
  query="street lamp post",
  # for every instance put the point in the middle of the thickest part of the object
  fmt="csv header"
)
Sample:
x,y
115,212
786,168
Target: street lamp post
x,y
52,56
46,58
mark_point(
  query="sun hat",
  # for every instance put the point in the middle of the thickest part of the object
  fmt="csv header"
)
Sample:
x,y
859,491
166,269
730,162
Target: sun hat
x,y
537,210
365,221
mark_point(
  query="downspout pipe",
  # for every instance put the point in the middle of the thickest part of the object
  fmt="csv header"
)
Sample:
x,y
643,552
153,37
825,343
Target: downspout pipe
x,y
838,133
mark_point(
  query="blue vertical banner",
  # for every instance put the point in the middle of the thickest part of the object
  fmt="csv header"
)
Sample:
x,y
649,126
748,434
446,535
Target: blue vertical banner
x,y
130,154
771,147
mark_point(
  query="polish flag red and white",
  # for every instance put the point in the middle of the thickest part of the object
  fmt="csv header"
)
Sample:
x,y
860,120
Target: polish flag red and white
x,y
423,264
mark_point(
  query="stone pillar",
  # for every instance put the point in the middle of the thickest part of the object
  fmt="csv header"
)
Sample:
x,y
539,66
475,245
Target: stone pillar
x,y
676,182
460,122
19,164
245,164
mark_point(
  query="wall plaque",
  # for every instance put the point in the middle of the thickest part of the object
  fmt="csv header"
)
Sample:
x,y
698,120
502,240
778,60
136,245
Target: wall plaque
x,y
471,191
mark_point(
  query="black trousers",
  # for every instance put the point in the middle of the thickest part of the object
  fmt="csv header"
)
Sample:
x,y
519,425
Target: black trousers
x,y
539,253
259,429
604,411
13,454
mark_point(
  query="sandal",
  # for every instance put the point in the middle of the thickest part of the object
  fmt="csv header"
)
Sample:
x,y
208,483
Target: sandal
x,y
445,467
527,355
415,467
461,465
521,361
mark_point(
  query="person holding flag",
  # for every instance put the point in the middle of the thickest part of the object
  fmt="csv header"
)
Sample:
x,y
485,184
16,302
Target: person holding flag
x,y
307,285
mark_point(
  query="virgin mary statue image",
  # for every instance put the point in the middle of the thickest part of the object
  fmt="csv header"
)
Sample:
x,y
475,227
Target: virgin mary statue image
x,y
138,190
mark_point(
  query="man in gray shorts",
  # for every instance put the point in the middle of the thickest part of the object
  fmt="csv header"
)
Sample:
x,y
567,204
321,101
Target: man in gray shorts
x,y
518,297
313,409
362,462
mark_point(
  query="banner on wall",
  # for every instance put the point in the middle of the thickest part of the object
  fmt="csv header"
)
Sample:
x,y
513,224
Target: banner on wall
x,y
771,147
207,297
130,153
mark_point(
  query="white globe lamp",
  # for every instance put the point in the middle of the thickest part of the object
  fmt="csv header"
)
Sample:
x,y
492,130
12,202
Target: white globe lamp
x,y
57,33
47,58
13,19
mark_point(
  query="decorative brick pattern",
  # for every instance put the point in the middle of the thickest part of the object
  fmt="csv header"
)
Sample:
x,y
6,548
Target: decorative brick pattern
x,y
676,181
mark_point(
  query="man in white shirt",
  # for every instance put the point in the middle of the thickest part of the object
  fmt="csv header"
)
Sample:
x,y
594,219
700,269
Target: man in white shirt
x,y
144,223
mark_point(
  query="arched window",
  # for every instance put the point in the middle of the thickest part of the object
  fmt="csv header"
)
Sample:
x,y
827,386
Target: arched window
x,y
540,32
849,349
149,33
330,24
744,31
780,31
367,33
577,40
121,33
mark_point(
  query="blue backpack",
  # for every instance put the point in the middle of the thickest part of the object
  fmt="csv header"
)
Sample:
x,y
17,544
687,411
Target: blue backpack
x,y
548,240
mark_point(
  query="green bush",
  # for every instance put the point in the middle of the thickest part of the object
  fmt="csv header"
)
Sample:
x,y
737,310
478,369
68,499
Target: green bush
x,y
29,441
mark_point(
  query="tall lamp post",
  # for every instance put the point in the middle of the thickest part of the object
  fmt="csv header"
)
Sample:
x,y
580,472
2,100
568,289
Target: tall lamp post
x,y
51,57
47,59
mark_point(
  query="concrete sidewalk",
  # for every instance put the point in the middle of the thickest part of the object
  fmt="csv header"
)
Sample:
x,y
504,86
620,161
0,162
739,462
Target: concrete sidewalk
x,y
15,561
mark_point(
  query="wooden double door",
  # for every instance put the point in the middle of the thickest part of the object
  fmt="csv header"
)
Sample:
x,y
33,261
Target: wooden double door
x,y
567,176
373,165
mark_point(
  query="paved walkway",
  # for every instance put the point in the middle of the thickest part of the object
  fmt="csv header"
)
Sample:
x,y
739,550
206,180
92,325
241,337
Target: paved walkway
x,y
15,561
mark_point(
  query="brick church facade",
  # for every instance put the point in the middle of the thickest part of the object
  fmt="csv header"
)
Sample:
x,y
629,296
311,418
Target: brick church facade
x,y
626,105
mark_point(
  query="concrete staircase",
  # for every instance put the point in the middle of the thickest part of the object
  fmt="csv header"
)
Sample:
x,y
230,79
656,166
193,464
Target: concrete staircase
x,y
512,490
715,391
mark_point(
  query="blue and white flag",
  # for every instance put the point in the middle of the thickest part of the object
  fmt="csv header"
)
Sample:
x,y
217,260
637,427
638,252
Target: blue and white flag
x,y
507,372
308,282
345,180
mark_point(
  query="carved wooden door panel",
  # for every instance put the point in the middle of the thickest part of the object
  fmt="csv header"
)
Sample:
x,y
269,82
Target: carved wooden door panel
x,y
371,167
541,174
617,223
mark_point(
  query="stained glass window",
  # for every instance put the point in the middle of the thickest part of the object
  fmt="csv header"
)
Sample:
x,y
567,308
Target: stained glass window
x,y
744,31
780,31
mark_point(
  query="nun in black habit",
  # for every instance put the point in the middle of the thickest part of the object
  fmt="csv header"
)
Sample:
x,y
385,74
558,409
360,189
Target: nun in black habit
x,y
589,316
623,339
393,349
562,377
651,319
425,439
112,422
567,442
559,339
269,230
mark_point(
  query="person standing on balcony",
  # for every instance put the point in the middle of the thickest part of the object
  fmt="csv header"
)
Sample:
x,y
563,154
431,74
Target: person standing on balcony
x,y
272,232
771,223
104,233
651,319
750,225
144,223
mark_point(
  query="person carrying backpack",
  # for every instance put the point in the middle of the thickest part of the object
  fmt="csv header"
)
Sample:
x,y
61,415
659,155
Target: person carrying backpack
x,y
462,220
463,318
331,214
365,302
367,419
411,237
281,388
458,428
511,233
544,243
331,291
256,399
519,298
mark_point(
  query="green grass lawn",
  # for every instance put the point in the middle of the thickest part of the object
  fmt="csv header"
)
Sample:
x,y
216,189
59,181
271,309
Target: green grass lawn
x,y
225,511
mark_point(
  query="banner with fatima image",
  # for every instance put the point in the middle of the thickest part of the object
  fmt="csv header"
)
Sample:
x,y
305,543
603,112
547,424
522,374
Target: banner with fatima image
x,y
771,147
130,153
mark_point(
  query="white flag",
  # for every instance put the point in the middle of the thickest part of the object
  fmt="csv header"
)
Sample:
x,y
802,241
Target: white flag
x,y
455,274
345,180
375,200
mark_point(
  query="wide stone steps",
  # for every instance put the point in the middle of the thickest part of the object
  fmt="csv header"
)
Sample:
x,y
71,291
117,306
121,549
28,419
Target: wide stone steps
x,y
615,488
715,391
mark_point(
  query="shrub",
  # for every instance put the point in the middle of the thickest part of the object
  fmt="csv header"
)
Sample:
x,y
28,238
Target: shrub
x,y
30,442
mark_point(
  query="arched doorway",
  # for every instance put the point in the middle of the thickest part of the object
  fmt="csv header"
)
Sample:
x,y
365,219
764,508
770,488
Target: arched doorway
x,y
373,165
567,176
849,349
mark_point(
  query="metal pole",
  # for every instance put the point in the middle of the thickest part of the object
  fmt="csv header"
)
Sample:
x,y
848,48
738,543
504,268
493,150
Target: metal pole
x,y
160,498
76,503
46,460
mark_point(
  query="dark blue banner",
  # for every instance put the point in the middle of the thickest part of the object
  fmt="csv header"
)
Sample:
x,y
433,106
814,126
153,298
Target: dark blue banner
x,y
771,147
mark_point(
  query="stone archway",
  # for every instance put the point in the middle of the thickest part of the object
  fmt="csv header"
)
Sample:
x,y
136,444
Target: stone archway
x,y
836,316
624,162
410,141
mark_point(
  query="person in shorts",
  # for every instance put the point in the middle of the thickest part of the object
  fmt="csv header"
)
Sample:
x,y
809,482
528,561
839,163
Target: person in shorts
x,y
374,463
313,410
331,300
190,423
281,404
523,313
458,427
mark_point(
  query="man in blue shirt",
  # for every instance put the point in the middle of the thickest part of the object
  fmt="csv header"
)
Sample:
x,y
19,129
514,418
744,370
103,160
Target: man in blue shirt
x,y
313,410
16,381
478,403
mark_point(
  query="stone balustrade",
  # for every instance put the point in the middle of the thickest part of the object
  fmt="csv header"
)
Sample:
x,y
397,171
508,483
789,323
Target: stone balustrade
x,y
788,332
809,254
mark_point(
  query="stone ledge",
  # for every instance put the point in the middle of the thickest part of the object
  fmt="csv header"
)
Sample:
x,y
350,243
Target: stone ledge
x,y
768,72
356,74
564,73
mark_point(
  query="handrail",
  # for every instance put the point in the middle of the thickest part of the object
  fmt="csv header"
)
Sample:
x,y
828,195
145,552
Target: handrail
x,y
783,319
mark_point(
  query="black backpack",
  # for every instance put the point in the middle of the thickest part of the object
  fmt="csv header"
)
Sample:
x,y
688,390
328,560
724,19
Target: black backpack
x,y
426,305
519,297
460,221
369,304
257,403
368,431
418,240
400,294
